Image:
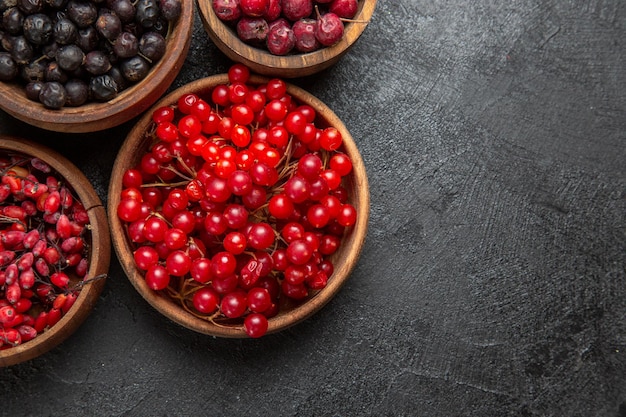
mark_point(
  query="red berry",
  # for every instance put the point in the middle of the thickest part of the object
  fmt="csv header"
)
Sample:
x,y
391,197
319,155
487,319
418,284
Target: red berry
x,y
206,300
157,277
234,304
255,325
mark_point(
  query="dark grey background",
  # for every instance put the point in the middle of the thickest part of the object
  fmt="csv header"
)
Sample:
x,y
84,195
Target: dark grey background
x,y
493,280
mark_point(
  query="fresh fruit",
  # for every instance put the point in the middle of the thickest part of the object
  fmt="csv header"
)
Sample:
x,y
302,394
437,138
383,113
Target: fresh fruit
x,y
230,213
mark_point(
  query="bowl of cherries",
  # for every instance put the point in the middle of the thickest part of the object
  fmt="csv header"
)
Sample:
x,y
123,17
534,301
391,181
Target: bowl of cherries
x,y
54,249
82,66
238,205
285,38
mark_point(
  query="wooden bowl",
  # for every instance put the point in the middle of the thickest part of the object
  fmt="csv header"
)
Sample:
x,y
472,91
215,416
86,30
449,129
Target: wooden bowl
x,y
127,104
344,259
289,66
100,252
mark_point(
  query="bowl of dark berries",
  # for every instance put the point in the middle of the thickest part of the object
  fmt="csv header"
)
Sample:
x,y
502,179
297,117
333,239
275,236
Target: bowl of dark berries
x,y
82,66
285,38
238,205
54,249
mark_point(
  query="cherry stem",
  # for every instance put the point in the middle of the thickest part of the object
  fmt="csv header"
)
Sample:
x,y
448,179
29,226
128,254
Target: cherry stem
x,y
88,281
184,165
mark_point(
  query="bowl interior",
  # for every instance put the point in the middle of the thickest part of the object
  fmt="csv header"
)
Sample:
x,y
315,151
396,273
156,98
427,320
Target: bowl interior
x,y
126,105
289,66
344,259
99,256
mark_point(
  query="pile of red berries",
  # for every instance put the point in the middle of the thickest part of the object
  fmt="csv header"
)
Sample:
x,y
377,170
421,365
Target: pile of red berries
x,y
237,205
285,26
44,240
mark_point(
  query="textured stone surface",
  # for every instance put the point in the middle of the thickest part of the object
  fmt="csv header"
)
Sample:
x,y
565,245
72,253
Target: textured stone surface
x,y
493,280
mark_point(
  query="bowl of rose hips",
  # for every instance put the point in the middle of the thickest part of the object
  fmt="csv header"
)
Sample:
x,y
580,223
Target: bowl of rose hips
x,y
82,66
238,205
54,249
285,38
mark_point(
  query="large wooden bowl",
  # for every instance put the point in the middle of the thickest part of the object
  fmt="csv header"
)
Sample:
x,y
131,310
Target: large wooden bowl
x,y
100,253
290,66
129,103
344,259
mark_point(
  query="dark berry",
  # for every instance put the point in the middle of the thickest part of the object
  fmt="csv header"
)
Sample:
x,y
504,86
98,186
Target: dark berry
x,y
97,63
33,89
30,6
109,26
8,67
56,4
170,9
87,38
152,46
21,50
55,73
147,13
52,95
70,57
124,9
135,69
34,70
65,31
126,45
77,92
13,20
38,28
82,13
103,87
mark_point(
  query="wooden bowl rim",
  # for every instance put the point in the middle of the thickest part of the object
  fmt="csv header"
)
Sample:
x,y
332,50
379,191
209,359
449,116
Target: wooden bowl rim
x,y
100,252
291,65
127,104
355,239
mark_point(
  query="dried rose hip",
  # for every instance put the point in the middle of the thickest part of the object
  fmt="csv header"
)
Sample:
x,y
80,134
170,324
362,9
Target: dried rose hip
x,y
44,248
239,203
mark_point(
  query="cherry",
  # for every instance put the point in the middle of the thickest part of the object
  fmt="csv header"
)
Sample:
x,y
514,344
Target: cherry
x,y
329,29
344,8
227,10
254,7
296,9
280,39
304,32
